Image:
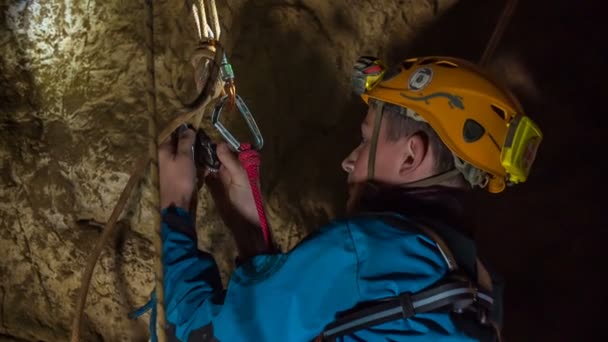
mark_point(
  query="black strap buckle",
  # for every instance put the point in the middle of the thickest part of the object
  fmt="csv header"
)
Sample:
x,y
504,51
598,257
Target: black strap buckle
x,y
407,309
205,154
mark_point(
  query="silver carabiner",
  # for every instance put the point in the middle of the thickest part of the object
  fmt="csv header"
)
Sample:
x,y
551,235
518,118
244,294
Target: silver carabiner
x,y
249,120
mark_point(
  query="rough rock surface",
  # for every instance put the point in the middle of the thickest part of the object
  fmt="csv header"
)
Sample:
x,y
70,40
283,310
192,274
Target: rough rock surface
x,y
73,124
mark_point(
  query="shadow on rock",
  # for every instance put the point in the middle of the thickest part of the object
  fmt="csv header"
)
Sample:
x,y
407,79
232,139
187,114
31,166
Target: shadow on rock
x,y
308,119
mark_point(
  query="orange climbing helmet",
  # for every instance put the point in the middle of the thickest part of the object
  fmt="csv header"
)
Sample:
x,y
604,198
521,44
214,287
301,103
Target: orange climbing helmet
x,y
494,143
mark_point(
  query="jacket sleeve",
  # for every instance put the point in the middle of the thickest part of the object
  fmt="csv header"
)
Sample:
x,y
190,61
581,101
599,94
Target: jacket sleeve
x,y
192,284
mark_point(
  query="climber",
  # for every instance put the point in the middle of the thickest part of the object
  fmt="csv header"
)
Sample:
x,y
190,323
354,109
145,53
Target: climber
x,y
402,266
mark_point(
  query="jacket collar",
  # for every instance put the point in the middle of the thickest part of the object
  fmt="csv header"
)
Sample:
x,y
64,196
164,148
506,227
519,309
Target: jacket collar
x,y
434,203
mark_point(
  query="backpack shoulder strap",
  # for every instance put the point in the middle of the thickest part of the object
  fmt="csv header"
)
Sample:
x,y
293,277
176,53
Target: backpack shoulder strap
x,y
443,247
454,293
483,276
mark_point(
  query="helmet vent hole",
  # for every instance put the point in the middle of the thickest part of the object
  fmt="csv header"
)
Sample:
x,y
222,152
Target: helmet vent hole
x,y
428,61
500,112
472,131
447,64
408,64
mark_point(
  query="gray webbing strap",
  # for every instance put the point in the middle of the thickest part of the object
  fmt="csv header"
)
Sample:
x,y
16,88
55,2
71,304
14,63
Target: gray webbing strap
x,y
458,294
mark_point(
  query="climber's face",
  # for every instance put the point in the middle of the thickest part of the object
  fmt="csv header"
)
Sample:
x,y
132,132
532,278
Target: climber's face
x,y
386,168
398,160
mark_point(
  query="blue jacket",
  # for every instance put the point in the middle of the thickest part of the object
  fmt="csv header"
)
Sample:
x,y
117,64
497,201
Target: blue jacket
x,y
293,296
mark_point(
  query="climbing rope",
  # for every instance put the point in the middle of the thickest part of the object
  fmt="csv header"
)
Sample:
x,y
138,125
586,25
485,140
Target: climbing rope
x,y
249,155
200,20
159,310
215,20
499,29
211,52
250,159
94,256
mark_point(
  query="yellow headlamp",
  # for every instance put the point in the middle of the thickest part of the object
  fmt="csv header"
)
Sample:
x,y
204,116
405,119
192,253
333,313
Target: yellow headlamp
x,y
519,150
367,74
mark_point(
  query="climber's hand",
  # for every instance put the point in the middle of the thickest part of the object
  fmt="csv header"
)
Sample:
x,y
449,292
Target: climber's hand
x,y
236,187
177,172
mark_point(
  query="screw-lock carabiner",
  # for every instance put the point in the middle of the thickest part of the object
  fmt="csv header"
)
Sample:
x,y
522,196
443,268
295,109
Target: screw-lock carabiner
x,y
249,120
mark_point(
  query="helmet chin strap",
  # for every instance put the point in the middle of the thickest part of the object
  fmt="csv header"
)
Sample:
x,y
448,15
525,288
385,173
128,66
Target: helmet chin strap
x,y
371,162
432,180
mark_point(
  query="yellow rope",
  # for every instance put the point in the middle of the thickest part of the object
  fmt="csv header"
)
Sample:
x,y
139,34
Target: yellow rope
x,y
197,21
154,182
203,22
215,20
